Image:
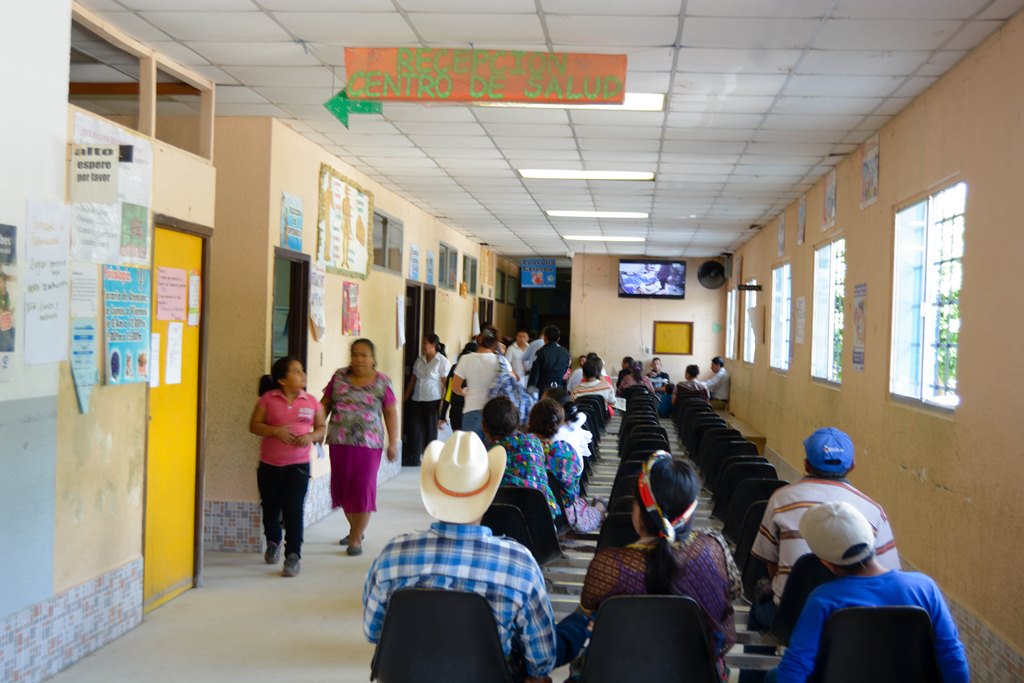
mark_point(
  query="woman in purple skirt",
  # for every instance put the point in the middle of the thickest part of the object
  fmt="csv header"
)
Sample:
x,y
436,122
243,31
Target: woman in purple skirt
x,y
356,399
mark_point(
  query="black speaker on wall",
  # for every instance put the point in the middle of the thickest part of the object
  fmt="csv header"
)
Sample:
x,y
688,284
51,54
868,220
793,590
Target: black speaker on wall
x,y
711,274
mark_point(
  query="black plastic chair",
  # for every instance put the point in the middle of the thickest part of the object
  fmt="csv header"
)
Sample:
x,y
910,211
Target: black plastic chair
x,y
621,504
676,645
699,428
732,477
711,439
652,430
438,635
645,443
753,571
723,449
617,531
641,455
561,519
534,506
628,468
747,491
877,644
807,574
623,486
748,532
715,472
507,520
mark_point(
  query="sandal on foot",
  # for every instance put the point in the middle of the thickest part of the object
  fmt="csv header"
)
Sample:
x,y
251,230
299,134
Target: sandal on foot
x,y
354,550
344,542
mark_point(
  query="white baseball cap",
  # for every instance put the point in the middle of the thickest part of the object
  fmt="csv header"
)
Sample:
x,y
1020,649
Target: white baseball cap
x,y
838,533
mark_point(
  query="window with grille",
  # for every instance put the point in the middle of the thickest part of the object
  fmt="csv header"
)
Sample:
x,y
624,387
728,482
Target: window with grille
x,y
730,324
469,267
447,266
387,242
750,323
926,297
829,302
781,300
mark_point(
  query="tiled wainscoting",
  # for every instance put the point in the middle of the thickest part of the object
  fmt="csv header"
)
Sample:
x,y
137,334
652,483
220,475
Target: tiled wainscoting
x,y
39,641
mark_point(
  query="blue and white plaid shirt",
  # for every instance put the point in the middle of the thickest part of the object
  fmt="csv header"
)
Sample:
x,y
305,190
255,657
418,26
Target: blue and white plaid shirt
x,y
465,557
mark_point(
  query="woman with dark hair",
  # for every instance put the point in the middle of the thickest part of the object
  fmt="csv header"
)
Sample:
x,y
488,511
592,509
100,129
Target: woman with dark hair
x,y
635,377
423,397
524,454
571,430
474,377
361,405
451,400
627,369
669,558
290,421
560,460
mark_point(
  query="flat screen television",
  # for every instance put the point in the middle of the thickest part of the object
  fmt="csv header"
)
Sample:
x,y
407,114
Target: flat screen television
x,y
652,279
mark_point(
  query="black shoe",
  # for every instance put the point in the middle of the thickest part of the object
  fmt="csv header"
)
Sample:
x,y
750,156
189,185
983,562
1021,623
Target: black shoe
x,y
344,542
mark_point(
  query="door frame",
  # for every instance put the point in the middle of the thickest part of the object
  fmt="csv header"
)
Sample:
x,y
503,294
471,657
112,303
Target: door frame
x,y
205,233
429,292
299,333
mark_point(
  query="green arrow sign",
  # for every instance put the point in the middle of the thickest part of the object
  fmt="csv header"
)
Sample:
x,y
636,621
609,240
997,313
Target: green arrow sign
x,y
341,106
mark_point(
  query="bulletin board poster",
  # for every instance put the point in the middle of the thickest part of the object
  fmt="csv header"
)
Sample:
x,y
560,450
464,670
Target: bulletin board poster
x,y
673,338
118,232
344,225
537,273
8,289
828,215
317,294
869,172
350,322
291,222
780,235
488,267
860,295
126,312
801,220
430,266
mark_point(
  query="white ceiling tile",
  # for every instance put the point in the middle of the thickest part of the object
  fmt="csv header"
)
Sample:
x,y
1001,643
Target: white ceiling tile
x,y
217,26
617,118
285,76
728,84
842,86
289,95
861,62
940,62
600,160
604,30
99,73
438,128
817,149
469,6
514,143
826,105
972,35
858,136
889,34
250,109
810,122
727,104
192,5
639,59
518,115
523,130
464,152
452,141
101,5
710,169
510,29
810,136
262,53
177,52
134,25
873,122
915,86
1002,9
215,74
233,94
647,81
634,8
712,120
370,28
697,147
328,5
758,8
740,60
619,144
365,143
406,111
893,105
702,134
908,9
748,33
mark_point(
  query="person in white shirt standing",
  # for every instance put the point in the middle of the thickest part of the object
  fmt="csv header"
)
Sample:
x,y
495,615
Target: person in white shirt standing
x,y
515,354
425,388
718,383
474,377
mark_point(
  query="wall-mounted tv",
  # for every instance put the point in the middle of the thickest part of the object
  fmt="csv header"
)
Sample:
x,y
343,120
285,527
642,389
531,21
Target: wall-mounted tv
x,y
651,278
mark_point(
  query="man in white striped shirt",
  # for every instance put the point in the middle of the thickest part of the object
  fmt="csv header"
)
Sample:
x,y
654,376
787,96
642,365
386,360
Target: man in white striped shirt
x,y
829,458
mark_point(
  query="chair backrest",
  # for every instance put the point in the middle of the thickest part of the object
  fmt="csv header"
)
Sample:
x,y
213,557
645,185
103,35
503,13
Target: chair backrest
x,y
649,638
628,468
725,448
617,531
711,439
807,574
648,430
704,424
747,492
641,454
623,486
507,520
534,506
717,468
627,427
748,532
732,477
438,635
621,504
641,442
561,519
900,640
635,390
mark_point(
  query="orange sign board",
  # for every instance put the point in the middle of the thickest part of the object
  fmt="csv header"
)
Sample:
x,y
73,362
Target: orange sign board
x,y
409,74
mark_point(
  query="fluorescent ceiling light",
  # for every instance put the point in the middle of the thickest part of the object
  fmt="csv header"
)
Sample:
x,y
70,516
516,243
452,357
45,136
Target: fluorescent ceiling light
x,y
550,174
634,101
597,214
603,238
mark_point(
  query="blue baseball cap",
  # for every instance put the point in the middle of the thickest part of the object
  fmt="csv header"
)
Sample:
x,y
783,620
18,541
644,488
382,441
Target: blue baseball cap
x,y
829,450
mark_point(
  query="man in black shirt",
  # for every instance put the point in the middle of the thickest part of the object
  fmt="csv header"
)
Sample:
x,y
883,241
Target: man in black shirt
x,y
551,362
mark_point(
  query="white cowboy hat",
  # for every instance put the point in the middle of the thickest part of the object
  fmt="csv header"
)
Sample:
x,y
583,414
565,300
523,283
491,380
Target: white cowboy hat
x,y
458,479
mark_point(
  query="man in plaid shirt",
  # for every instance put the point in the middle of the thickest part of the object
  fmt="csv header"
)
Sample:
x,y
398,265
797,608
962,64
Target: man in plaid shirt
x,y
458,481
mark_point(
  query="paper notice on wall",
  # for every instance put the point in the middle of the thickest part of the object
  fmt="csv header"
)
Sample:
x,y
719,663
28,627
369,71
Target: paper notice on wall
x,y
860,294
195,288
869,172
172,368
46,283
828,218
171,292
801,319
126,314
154,365
351,322
93,173
400,320
8,297
96,232
801,220
414,262
84,362
317,292
85,290
291,222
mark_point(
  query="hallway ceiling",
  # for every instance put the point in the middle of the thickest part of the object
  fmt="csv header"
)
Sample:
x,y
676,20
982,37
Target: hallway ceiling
x,y
762,97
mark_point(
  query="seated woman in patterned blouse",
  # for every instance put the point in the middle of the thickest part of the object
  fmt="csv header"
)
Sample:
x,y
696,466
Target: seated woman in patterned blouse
x,y
561,460
669,558
524,454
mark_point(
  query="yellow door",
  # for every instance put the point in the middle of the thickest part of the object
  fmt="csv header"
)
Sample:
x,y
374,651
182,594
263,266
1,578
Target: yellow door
x,y
173,430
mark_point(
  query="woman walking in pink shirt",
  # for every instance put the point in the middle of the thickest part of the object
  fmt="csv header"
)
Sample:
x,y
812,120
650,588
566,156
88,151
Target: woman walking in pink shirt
x,y
290,421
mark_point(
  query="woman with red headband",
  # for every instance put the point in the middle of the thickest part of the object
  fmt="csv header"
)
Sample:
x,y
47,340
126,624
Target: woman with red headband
x,y
669,558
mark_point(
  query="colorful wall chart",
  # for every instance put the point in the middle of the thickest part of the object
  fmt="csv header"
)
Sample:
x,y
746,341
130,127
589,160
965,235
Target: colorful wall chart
x,y
344,225
126,311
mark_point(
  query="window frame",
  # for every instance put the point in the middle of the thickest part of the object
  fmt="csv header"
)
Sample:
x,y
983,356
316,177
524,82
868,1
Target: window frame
x,y
833,374
512,290
447,256
782,287
731,333
389,225
471,282
749,338
499,286
923,308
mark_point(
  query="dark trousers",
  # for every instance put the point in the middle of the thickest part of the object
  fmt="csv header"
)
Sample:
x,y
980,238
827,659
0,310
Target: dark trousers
x,y
421,429
283,493
455,412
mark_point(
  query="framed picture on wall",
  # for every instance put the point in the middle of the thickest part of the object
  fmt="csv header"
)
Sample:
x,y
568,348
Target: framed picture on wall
x,y
673,338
